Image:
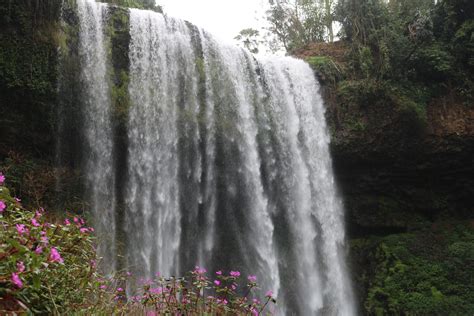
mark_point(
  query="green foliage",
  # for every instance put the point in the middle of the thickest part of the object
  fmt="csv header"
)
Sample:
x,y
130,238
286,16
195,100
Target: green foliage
x,y
428,273
139,4
328,70
250,39
43,264
28,54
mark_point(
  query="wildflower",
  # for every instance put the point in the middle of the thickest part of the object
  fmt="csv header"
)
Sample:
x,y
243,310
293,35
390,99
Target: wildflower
x,y
54,256
223,302
44,240
219,272
21,229
83,230
38,250
16,280
252,278
38,214
156,290
3,206
103,287
2,178
233,287
217,282
269,294
119,289
82,221
76,220
20,266
200,270
235,274
17,199
91,229
34,222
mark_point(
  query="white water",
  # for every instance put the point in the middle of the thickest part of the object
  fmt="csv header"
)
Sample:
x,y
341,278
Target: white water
x,y
97,129
228,163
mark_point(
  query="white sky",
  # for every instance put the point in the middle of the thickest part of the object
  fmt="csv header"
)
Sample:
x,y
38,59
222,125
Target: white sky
x,y
222,18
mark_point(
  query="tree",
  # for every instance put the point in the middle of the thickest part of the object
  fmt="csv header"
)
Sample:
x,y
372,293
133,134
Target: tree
x,y
296,23
250,38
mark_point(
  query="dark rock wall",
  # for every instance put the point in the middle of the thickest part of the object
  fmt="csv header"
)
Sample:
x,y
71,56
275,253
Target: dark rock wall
x,y
408,191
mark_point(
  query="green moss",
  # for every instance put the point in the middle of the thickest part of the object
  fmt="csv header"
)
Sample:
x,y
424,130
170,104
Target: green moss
x,y
326,68
29,33
119,33
425,273
138,4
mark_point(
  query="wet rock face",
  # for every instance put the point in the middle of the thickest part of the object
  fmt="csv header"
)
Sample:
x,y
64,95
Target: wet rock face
x,y
394,175
403,187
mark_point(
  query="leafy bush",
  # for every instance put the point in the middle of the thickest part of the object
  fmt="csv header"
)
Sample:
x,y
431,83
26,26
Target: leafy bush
x,y
427,273
43,265
50,268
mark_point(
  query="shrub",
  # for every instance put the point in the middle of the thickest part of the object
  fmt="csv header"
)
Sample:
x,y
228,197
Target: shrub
x,y
51,268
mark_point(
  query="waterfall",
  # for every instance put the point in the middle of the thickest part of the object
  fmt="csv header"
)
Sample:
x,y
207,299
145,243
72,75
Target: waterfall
x,y
227,163
97,126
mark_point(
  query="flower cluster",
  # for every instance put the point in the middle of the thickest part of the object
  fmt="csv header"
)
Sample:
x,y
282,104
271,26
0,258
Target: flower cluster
x,y
51,268
197,293
44,261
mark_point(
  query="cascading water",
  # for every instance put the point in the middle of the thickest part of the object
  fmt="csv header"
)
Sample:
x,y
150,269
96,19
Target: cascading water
x,y
97,130
227,163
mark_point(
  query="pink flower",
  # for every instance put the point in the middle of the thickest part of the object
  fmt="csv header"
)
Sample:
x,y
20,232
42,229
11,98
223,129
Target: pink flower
x,y
156,290
219,272
235,274
119,289
21,229
17,199
38,250
20,266
84,230
3,206
38,214
217,282
223,302
2,178
76,220
16,280
34,222
233,287
252,278
200,270
269,294
91,229
67,222
82,221
103,287
44,240
54,256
